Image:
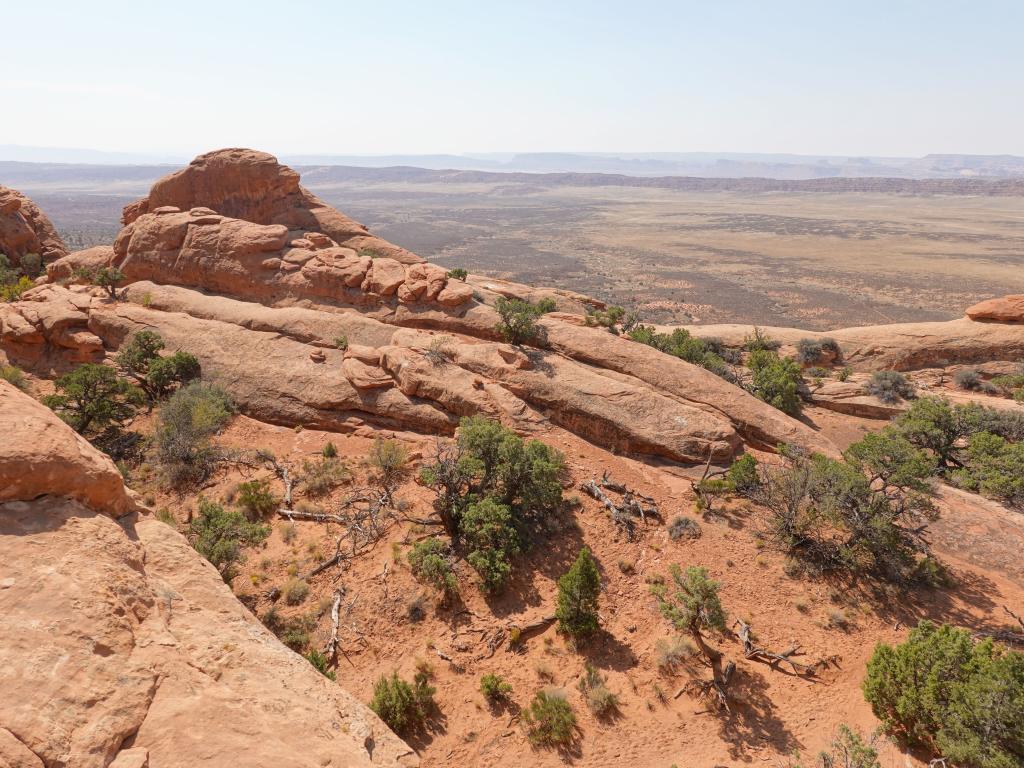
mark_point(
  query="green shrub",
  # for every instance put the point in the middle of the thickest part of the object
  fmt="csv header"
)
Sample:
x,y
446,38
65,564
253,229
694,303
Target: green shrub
x,y
742,474
957,697
856,515
494,688
388,458
578,593
330,451
321,664
140,360
403,707
185,425
13,375
758,341
693,605
341,341
606,318
107,278
993,467
890,387
255,499
430,564
549,720
845,373
489,533
12,291
458,274
681,344
518,323
92,397
31,265
219,534
776,380
493,490
547,304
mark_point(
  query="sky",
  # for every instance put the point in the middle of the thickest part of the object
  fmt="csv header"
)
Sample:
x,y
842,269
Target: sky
x,y
837,77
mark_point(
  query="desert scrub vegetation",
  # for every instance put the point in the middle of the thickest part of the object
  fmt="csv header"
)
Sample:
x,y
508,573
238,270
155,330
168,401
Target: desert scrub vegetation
x,y
682,526
680,343
974,447
14,376
430,563
861,514
494,492
549,720
219,534
578,592
458,273
185,427
691,603
848,750
825,351
671,654
494,688
518,324
959,698
321,663
140,361
759,341
295,591
890,387
320,477
776,380
594,687
255,499
92,397
403,706
14,282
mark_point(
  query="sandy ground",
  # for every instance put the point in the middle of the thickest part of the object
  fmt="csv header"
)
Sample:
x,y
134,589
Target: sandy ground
x,y
774,714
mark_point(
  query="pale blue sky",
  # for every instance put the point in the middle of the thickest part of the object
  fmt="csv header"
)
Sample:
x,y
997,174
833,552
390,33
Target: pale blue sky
x,y
303,76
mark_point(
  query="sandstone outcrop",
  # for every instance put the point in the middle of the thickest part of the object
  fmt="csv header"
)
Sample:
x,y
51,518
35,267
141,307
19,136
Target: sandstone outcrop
x,y
1005,309
121,645
24,229
250,185
900,346
265,263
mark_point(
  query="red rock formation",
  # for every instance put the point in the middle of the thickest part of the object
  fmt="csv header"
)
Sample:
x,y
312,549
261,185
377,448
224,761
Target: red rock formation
x,y
1005,309
250,185
119,644
24,228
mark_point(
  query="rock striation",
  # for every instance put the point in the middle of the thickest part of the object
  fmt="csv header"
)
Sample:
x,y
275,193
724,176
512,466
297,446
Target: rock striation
x,y
121,646
25,229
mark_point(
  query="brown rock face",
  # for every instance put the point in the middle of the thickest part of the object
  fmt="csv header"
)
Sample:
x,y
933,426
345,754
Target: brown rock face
x,y
120,645
250,185
1006,309
24,229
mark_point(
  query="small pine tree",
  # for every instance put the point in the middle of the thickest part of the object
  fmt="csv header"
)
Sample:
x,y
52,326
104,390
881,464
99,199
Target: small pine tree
x,y
694,605
578,592
92,397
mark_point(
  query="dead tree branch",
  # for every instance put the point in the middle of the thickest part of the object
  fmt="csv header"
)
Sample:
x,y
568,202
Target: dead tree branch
x,y
633,504
772,659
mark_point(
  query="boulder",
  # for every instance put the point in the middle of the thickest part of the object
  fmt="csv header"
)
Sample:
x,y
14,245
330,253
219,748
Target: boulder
x,y
40,454
251,185
25,229
121,646
1005,309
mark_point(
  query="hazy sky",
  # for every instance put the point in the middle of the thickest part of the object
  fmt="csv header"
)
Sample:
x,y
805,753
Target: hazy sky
x,y
396,76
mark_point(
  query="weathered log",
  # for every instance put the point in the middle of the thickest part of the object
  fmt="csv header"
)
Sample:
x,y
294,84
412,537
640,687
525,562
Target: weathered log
x,y
756,653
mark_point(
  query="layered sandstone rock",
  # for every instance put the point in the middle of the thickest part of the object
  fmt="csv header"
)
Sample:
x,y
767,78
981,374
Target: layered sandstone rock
x,y
900,346
265,263
250,185
25,229
120,645
1005,309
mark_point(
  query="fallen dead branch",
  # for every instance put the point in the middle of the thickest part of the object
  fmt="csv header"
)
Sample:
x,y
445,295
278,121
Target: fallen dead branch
x,y
331,651
772,659
519,633
633,504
